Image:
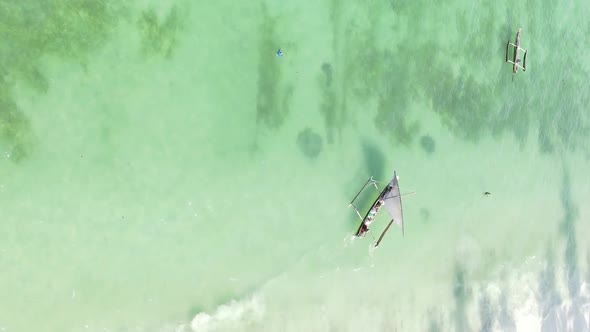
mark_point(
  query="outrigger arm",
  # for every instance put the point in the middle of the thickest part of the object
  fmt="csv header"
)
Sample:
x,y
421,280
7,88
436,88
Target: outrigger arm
x,y
517,65
383,233
369,182
520,48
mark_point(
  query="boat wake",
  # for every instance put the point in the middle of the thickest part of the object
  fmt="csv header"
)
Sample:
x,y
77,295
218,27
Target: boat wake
x,y
348,240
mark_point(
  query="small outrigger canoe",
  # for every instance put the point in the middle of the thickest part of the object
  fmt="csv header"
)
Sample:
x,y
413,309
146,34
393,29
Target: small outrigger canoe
x,y
390,198
515,59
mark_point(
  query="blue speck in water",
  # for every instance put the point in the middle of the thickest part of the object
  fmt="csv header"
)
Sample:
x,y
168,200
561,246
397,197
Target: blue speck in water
x,y
279,53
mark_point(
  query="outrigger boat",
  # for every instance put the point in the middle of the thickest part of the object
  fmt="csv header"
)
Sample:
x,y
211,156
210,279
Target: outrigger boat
x,y
515,59
390,198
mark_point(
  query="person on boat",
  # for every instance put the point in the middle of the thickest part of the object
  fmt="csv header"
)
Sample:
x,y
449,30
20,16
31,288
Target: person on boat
x,y
364,229
376,208
370,217
373,212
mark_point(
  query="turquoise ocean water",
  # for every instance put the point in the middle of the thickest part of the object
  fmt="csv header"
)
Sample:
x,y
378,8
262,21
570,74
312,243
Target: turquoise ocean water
x,y
161,169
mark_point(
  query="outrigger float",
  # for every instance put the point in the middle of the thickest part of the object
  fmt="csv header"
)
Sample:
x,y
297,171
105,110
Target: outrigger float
x,y
515,58
390,198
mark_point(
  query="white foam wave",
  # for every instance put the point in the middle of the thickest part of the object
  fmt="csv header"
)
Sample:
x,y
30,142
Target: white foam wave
x,y
523,297
230,315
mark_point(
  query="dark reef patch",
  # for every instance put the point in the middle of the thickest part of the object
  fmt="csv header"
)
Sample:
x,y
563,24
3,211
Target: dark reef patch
x,y
159,38
309,143
16,136
273,97
374,159
427,143
33,30
327,70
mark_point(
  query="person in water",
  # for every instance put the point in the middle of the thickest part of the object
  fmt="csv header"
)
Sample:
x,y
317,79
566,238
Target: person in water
x,y
487,193
279,53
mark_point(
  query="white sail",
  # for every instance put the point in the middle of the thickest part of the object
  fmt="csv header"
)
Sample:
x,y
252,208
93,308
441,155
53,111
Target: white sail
x,y
393,202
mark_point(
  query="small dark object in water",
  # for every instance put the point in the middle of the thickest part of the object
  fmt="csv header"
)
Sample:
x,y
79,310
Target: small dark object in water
x,y
425,214
310,143
487,193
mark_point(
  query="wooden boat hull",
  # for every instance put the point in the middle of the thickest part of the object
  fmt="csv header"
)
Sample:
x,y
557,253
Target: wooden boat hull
x,y
362,230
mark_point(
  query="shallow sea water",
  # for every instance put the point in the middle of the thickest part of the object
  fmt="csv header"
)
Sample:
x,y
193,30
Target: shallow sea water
x,y
162,169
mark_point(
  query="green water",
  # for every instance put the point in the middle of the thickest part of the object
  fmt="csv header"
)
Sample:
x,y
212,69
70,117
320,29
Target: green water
x,y
161,169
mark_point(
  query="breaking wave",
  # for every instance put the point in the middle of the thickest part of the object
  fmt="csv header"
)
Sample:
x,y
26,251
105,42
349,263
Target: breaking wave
x,y
230,315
